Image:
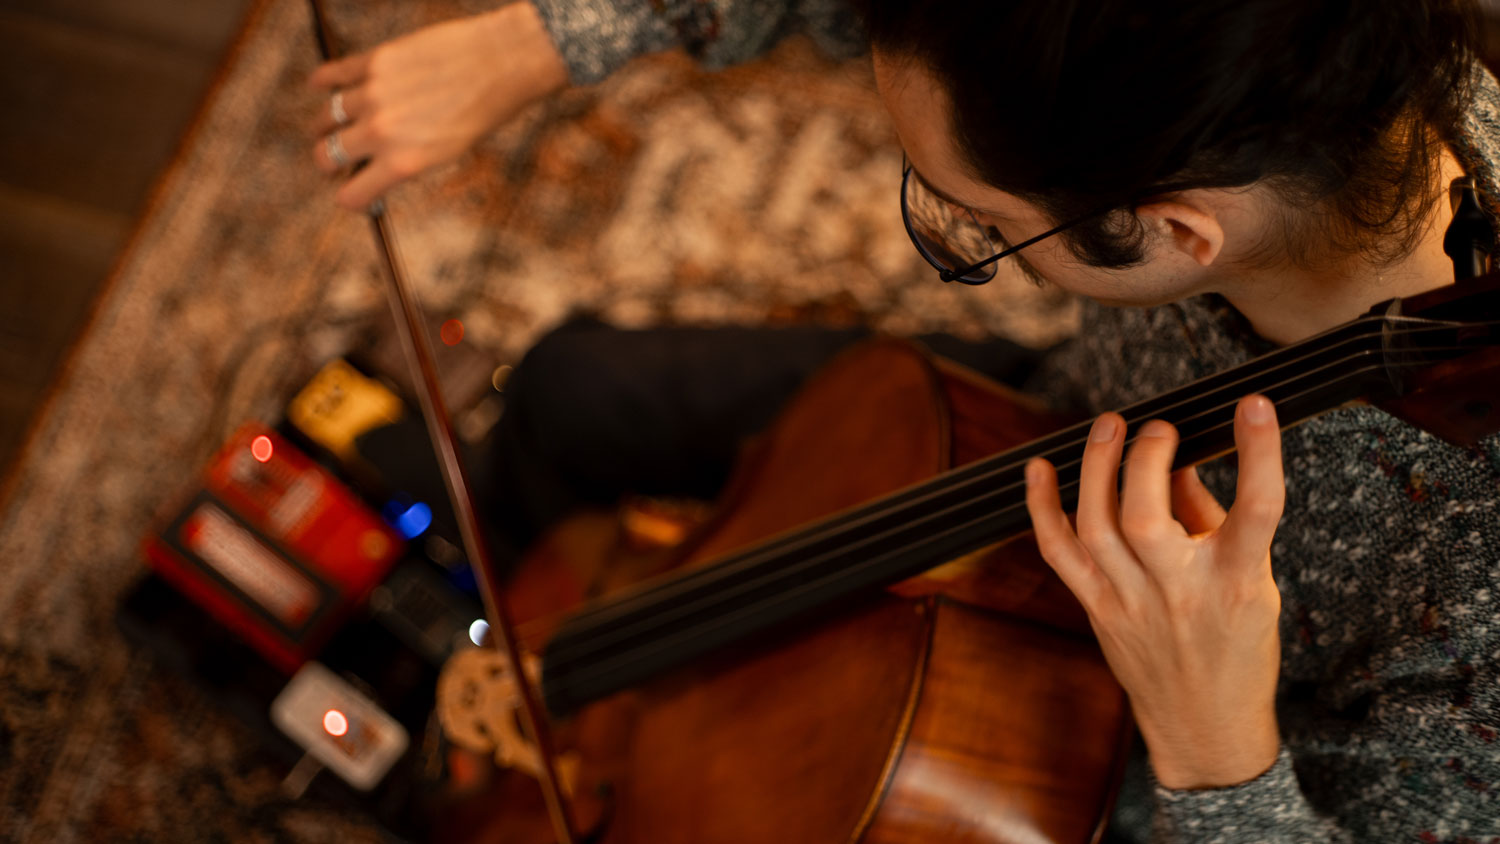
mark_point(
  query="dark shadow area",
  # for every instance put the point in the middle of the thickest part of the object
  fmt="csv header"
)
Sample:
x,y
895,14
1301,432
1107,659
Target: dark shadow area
x,y
94,96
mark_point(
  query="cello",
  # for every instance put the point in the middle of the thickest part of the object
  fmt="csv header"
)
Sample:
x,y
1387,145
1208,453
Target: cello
x,y
799,671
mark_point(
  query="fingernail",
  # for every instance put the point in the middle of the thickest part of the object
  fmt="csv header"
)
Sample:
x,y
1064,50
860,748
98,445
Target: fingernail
x,y
1033,472
1104,429
1158,428
1258,410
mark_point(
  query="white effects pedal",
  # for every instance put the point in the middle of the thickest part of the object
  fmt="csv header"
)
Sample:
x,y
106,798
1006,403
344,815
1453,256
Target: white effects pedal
x,y
339,727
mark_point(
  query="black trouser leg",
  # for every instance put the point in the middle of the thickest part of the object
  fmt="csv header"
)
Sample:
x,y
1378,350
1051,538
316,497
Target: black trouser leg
x,y
593,412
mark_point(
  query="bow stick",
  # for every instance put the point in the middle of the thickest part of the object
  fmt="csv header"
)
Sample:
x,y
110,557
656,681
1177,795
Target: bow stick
x,y
418,351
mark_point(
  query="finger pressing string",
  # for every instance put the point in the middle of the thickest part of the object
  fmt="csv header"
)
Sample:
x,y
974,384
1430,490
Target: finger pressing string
x,y
1146,505
1055,538
1260,491
1098,498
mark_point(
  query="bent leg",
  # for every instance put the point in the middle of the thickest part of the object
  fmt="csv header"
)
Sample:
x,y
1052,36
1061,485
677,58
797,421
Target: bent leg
x,y
594,412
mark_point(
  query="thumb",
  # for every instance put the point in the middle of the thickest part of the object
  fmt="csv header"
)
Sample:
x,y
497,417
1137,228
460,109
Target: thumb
x,y
1193,505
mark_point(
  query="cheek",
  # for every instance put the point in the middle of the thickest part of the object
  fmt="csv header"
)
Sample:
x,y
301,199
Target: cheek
x,y
1018,227
1056,263
1053,261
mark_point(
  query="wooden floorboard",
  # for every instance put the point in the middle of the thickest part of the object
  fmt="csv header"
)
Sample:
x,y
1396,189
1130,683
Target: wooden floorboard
x,y
94,95
53,254
91,117
202,27
16,407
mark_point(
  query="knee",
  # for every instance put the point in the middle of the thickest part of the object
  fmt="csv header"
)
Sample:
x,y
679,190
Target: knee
x,y
546,381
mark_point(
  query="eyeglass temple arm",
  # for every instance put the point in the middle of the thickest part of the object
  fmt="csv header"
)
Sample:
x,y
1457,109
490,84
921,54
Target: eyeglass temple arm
x,y
957,275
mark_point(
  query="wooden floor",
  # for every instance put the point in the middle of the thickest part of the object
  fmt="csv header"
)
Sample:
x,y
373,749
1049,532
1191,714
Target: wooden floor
x,y
94,95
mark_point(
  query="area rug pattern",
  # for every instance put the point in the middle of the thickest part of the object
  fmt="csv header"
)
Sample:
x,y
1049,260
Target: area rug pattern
x,y
765,194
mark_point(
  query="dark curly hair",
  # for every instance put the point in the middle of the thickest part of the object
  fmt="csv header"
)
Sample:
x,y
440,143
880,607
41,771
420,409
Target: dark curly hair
x,y
1342,108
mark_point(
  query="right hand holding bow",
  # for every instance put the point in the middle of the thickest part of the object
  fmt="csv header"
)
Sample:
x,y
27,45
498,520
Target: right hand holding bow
x,y
423,99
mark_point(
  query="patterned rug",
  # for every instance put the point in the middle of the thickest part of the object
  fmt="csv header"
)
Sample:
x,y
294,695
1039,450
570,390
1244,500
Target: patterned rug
x,y
666,195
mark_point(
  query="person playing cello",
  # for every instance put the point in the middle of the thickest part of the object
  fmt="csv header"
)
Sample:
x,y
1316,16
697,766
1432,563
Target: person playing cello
x,y
1320,660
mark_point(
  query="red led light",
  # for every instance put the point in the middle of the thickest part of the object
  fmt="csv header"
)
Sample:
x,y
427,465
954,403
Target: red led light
x,y
452,332
261,449
335,723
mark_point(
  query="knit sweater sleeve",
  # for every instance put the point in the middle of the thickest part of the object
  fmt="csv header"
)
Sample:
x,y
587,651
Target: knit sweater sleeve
x,y
597,37
1431,780
1269,809
1388,561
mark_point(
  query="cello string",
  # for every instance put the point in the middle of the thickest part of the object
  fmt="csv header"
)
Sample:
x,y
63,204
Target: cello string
x,y
899,501
728,596
668,640
756,556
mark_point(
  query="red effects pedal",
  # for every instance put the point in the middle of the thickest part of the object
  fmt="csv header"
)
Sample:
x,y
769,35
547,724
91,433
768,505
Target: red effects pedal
x,y
274,547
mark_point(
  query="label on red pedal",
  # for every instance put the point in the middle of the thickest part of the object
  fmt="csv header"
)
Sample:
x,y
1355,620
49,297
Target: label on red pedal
x,y
286,593
341,728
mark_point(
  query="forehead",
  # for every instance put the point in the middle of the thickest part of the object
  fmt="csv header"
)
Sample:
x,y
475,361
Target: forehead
x,y
921,112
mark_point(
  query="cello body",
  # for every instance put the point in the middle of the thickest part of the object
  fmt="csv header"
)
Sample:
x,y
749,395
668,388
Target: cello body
x,y
967,705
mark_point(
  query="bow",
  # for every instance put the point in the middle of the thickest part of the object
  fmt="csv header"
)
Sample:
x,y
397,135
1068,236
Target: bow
x,y
417,348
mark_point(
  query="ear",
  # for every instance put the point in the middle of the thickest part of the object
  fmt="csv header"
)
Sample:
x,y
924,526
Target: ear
x,y
1194,230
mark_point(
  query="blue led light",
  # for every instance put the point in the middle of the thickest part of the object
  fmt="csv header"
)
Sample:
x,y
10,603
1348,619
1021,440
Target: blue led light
x,y
416,519
395,507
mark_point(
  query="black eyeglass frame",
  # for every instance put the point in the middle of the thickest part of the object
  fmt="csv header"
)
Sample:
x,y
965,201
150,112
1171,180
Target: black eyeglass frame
x,y
946,273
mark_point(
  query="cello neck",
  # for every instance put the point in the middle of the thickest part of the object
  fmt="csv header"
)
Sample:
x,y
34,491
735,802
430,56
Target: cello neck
x,y
623,640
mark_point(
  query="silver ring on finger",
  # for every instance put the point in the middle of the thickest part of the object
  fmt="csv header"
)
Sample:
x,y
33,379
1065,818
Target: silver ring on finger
x,y
336,109
335,149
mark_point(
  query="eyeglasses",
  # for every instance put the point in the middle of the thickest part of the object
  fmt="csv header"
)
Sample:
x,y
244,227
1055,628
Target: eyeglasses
x,y
952,239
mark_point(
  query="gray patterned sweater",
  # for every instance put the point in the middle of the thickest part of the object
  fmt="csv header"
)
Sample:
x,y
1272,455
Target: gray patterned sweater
x,y
1388,557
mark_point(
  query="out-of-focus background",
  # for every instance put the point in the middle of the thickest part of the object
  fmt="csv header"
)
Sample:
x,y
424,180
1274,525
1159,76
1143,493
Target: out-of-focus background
x,y
94,97
172,266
